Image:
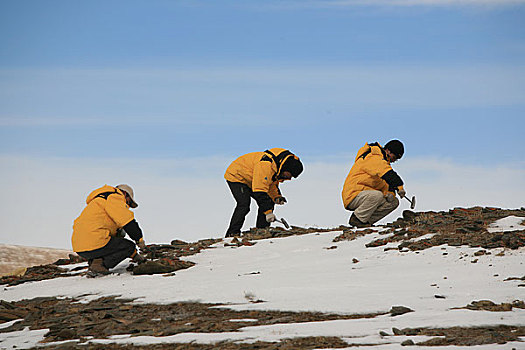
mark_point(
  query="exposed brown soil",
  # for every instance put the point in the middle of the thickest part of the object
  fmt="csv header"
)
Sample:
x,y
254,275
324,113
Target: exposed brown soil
x,y
463,336
162,258
35,273
459,226
306,343
456,227
276,232
67,319
487,305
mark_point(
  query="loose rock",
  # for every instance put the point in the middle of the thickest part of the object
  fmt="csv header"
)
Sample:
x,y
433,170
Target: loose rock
x,y
399,310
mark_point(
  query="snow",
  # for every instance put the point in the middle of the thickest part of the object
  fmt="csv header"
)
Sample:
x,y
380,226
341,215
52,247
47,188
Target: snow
x,y
9,323
510,223
24,339
298,273
243,320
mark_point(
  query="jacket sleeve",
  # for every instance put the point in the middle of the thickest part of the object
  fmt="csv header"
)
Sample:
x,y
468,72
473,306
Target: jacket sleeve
x,y
261,185
118,210
393,180
132,228
378,167
274,191
264,201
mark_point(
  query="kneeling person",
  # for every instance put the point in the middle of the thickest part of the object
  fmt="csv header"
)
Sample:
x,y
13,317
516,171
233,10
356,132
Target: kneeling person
x,y
369,189
98,233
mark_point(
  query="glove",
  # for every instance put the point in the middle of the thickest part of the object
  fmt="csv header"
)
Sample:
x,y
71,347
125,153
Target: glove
x,y
280,200
401,192
139,259
389,197
141,244
270,217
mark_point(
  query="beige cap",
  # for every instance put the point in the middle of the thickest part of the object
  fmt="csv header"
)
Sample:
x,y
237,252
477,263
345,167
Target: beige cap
x,y
129,191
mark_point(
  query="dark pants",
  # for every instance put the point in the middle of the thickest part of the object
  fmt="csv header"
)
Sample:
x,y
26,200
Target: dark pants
x,y
243,194
116,250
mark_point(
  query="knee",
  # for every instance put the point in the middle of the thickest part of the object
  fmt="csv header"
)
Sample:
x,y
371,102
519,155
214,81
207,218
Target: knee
x,y
395,203
242,208
390,205
261,211
377,196
128,247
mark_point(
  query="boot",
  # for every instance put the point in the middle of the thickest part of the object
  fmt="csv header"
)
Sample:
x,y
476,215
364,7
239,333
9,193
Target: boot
x,y
97,267
354,221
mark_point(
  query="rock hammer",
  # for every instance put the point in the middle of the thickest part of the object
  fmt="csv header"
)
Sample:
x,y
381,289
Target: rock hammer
x,y
282,221
412,201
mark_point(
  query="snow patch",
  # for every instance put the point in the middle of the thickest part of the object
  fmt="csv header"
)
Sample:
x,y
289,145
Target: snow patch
x,y
24,339
510,223
296,273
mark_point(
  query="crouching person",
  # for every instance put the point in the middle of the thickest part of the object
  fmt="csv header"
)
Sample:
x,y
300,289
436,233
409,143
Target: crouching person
x,y
370,187
98,233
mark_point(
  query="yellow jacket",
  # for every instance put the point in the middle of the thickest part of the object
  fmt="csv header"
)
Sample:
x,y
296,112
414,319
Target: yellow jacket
x,y
259,170
367,172
106,211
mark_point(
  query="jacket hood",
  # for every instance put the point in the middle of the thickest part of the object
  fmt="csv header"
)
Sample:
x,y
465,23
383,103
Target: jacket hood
x,y
374,148
103,189
281,156
293,165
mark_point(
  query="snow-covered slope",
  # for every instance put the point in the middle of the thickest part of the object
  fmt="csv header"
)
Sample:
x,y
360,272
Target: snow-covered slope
x,y
312,273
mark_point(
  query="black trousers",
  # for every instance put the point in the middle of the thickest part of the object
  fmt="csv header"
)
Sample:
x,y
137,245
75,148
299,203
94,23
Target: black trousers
x,y
243,194
116,250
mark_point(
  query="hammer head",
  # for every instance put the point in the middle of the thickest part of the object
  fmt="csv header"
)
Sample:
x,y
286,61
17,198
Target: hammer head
x,y
284,223
413,202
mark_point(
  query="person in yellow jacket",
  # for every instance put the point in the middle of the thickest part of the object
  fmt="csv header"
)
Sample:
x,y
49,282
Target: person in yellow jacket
x,y
257,175
370,187
98,233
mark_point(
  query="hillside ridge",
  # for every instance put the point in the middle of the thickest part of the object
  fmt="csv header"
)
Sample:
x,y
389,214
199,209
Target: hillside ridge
x,y
427,279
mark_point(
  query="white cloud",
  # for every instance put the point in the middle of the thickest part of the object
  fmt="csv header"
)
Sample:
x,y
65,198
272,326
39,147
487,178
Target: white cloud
x,y
407,3
191,96
188,199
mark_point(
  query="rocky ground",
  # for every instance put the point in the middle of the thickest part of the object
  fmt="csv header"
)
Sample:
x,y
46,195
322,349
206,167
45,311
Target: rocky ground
x,y
456,227
67,319
161,259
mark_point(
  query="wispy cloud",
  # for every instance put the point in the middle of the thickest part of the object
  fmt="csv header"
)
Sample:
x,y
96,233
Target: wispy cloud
x,y
405,3
247,95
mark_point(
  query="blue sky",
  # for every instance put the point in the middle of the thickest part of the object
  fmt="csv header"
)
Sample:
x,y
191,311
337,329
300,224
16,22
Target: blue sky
x,y
174,85
185,78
